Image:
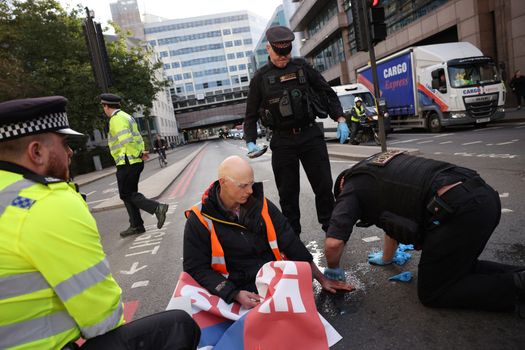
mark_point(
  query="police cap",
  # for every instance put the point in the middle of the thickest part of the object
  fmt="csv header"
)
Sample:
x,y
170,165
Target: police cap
x,y
110,99
279,34
30,116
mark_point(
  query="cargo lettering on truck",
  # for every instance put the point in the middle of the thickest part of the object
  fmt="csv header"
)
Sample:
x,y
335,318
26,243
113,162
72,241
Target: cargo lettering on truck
x,y
395,70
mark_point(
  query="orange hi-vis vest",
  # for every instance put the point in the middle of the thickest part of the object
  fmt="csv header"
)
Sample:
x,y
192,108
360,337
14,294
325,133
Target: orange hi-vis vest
x,y
218,263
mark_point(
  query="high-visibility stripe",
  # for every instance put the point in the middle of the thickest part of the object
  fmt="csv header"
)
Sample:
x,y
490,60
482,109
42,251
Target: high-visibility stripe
x,y
105,325
83,280
9,193
218,262
120,133
35,329
24,283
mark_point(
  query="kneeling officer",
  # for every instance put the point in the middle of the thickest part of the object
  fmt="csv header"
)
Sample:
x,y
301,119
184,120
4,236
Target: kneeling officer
x,y
447,211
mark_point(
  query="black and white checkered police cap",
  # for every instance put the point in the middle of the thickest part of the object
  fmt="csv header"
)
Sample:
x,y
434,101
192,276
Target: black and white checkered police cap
x,y
30,116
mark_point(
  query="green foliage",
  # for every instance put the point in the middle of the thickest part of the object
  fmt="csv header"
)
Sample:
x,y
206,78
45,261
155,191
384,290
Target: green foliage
x,y
43,52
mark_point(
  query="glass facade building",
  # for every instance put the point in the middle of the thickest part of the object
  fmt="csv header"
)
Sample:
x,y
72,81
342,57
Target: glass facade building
x,y
207,55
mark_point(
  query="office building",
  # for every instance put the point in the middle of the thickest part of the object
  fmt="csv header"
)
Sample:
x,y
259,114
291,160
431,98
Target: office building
x,y
497,27
126,14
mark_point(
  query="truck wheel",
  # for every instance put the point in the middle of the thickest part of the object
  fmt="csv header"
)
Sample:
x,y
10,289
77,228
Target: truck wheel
x,y
434,125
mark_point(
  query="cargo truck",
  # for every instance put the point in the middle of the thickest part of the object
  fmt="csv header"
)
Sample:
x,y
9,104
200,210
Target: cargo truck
x,y
436,86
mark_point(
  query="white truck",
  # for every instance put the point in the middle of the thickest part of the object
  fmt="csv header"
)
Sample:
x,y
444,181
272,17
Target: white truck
x,y
346,94
436,86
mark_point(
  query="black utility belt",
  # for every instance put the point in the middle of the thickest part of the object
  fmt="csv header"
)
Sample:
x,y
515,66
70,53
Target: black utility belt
x,y
293,131
439,206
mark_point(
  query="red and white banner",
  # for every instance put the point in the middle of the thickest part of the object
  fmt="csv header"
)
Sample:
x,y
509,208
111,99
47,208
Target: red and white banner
x,y
286,319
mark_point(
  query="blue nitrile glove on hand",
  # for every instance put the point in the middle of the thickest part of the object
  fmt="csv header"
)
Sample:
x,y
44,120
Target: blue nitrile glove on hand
x,y
337,274
252,147
402,277
342,132
402,247
376,258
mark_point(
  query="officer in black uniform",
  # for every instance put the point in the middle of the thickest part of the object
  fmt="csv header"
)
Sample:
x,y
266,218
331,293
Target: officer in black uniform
x,y
287,94
447,211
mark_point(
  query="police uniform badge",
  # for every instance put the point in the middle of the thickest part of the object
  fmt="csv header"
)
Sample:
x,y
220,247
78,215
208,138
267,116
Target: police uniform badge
x,y
383,158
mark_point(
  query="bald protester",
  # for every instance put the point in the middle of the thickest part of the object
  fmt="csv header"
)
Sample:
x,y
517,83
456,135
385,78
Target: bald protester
x,y
235,231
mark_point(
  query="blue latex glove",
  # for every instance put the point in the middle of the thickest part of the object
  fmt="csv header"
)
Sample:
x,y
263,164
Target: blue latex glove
x,y
252,147
403,277
342,132
337,274
402,247
376,258
400,258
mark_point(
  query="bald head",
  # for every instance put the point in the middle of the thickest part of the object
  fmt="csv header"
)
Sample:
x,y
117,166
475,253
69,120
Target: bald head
x,y
235,167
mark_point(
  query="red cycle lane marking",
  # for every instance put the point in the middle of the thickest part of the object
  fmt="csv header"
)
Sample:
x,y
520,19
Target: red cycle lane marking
x,y
130,308
182,186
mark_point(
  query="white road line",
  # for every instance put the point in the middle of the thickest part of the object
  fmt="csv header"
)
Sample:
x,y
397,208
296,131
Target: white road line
x,y
503,195
491,128
505,143
404,141
90,193
114,182
443,143
505,210
442,135
471,143
97,201
427,141
520,127
438,152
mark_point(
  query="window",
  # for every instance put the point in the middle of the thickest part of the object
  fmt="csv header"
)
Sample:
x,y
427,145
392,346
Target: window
x,y
233,68
242,66
187,75
179,89
247,41
226,31
167,66
175,65
205,85
240,54
249,53
228,44
164,54
235,79
244,79
219,82
237,42
231,56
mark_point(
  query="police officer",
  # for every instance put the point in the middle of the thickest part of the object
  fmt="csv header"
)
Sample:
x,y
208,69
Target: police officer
x,y
127,148
356,114
55,282
285,94
447,211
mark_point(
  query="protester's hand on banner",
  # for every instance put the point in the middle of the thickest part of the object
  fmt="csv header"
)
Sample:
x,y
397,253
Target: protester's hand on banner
x,y
248,299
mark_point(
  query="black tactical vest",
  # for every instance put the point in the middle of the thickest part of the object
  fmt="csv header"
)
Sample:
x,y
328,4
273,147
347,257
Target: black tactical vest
x,y
404,182
285,96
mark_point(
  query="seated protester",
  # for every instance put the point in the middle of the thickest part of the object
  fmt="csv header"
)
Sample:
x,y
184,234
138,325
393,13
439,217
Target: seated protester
x,y
447,211
55,282
246,231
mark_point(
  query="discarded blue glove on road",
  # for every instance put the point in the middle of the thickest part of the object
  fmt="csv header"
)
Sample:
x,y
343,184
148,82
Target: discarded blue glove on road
x,y
403,277
376,258
252,147
403,247
400,258
342,132
337,274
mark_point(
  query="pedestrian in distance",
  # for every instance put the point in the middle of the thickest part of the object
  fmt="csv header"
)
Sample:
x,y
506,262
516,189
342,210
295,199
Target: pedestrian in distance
x,y
235,231
55,280
127,148
286,95
517,84
446,211
160,146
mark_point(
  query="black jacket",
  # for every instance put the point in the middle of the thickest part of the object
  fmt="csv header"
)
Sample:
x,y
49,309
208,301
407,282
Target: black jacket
x,y
243,240
255,97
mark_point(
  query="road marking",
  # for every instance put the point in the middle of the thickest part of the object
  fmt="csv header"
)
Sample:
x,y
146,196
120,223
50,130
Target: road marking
x,y
108,190
505,210
404,141
140,284
520,127
427,141
442,135
491,128
486,155
507,143
184,182
98,200
470,143
114,182
445,142
438,152
503,195
134,268
90,193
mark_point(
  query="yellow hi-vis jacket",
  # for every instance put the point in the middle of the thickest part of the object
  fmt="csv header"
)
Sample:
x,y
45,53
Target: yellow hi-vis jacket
x,y
359,112
218,263
55,282
124,139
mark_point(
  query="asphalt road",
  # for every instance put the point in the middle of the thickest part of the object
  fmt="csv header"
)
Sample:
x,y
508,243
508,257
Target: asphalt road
x,y
380,314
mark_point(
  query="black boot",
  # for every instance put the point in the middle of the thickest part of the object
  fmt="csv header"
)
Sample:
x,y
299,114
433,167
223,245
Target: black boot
x,y
160,213
132,231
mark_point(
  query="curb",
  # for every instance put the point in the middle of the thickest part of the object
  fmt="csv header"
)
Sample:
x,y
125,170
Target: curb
x,y
149,187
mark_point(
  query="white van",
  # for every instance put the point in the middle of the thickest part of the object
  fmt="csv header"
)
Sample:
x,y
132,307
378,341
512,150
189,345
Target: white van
x,y
347,94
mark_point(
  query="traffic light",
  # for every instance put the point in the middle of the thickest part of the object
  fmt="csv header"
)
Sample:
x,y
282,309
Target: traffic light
x,y
377,24
359,23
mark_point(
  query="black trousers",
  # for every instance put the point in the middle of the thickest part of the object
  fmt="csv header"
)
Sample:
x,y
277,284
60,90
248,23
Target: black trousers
x,y
128,176
173,329
309,148
354,128
450,274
